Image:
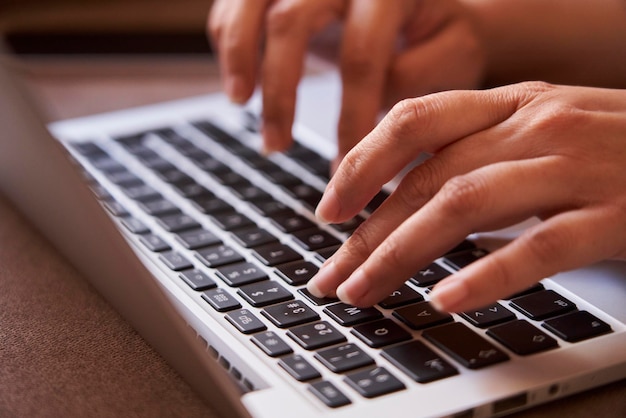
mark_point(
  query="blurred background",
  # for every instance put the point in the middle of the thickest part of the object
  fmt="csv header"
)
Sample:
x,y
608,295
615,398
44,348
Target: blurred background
x,y
105,26
89,56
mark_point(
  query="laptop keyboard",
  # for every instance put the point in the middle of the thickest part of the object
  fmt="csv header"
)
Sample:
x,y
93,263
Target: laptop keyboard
x,y
238,229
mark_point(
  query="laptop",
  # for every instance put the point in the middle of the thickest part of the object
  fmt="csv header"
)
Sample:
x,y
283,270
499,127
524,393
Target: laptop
x,y
205,245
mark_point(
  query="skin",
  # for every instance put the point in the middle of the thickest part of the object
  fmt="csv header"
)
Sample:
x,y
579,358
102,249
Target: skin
x,y
378,67
499,157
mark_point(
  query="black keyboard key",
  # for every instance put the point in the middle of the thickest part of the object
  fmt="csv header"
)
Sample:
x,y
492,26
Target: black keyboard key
x,y
245,321
211,165
421,315
229,178
231,221
577,326
253,237
174,176
319,166
135,226
159,207
306,194
541,305
270,208
191,190
290,222
115,208
462,259
175,261
218,256
376,201
124,178
220,300
430,275
401,297
178,222
297,273
154,243
251,193
211,205
464,245
264,293
348,226
197,238
240,274
326,392
271,344
419,362
289,314
275,253
489,315
100,192
142,193
315,300
315,239
522,337
465,346
381,333
299,368
197,279
348,315
373,383
281,177
325,253
87,148
106,164
343,358
532,289
316,335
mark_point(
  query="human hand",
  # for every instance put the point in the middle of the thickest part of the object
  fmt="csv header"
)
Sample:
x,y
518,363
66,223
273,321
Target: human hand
x,y
388,51
498,157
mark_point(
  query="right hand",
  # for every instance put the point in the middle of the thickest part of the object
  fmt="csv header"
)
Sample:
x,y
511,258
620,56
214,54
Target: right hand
x,y
389,50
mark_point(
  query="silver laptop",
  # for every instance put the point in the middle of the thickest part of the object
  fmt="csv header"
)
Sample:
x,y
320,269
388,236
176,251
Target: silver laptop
x,y
205,246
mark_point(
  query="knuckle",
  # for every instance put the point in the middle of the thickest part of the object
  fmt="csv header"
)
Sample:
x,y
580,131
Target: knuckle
x,y
403,117
352,165
463,196
534,87
392,255
358,246
556,115
419,185
357,63
282,18
412,118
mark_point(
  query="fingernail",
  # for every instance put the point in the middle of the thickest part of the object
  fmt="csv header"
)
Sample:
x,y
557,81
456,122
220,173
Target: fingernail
x,y
448,294
354,289
236,89
272,139
322,284
329,208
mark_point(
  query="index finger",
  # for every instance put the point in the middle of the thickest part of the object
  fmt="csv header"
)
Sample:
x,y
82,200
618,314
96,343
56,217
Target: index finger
x,y
413,126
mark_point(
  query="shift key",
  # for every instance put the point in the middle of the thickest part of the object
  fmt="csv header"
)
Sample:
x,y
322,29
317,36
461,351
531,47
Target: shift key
x,y
465,346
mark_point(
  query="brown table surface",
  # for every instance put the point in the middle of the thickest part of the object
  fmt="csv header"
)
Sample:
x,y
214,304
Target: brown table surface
x,y
63,350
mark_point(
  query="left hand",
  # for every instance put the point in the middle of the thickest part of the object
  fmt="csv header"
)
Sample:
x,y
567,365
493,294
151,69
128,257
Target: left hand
x,y
499,157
